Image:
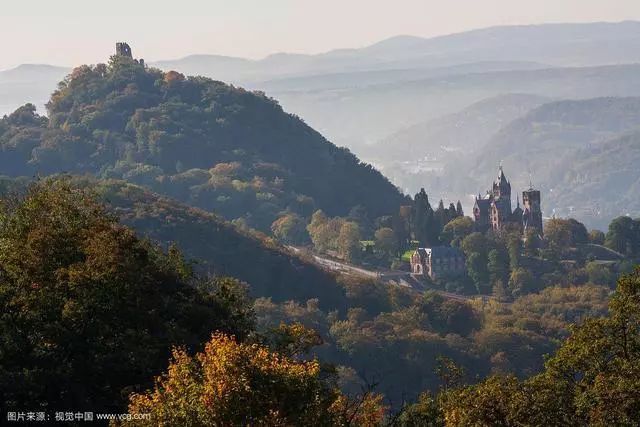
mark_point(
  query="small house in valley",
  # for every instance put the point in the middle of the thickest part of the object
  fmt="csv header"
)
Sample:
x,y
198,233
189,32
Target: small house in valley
x,y
438,261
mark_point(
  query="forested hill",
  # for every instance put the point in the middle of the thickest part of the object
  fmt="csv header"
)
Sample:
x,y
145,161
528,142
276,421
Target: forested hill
x,y
204,142
215,246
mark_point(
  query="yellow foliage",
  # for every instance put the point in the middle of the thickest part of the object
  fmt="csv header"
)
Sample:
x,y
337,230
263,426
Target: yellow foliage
x,y
233,383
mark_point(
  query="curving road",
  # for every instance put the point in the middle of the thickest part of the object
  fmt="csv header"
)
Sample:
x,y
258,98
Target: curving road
x,y
401,278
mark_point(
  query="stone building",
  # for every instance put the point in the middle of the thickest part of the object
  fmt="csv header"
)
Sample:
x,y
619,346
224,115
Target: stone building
x,y
123,49
437,262
532,214
493,211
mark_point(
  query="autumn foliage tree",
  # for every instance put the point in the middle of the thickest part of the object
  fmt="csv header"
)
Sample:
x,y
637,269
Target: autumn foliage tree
x,y
233,383
593,378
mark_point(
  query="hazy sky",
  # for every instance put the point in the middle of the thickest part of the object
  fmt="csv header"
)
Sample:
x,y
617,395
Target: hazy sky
x,y
70,32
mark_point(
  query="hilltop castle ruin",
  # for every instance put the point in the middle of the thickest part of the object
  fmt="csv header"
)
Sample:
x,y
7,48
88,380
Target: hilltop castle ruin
x,y
124,50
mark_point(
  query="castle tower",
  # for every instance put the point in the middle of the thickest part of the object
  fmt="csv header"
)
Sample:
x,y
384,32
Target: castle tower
x,y
123,49
501,205
532,212
502,187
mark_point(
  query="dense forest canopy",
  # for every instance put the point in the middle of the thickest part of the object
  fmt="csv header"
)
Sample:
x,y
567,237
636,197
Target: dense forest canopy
x,y
201,141
89,311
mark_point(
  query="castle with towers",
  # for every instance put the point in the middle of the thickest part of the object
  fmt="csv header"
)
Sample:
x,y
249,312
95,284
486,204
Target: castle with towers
x,y
493,211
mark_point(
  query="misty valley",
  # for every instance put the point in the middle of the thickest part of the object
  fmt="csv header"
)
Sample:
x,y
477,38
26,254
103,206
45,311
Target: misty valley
x,y
436,231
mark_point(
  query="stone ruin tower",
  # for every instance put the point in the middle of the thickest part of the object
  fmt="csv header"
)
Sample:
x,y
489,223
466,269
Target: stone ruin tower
x,y
123,49
532,212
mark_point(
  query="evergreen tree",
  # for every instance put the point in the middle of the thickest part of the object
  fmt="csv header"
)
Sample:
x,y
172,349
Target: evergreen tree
x,y
459,210
401,231
424,225
451,213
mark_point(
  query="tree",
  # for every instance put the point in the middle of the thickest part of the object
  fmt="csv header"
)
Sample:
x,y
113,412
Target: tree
x,y
514,248
456,230
386,241
360,216
401,231
600,362
476,247
423,223
318,232
624,236
565,233
232,383
500,291
90,311
531,242
459,210
477,270
475,243
592,379
424,413
599,274
291,229
348,243
441,215
521,281
487,404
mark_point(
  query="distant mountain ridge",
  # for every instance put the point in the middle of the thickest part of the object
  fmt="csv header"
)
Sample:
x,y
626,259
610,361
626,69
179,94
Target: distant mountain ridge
x,y
358,117
584,44
28,83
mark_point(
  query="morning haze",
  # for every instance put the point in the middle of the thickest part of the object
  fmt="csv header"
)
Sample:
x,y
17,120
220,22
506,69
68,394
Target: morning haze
x,y
425,214
70,32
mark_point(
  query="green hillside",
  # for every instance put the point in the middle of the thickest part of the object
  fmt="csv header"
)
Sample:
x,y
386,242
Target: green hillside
x,y
218,247
212,145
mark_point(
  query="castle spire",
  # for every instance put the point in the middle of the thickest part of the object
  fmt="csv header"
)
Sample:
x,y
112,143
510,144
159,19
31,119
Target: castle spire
x,y
501,177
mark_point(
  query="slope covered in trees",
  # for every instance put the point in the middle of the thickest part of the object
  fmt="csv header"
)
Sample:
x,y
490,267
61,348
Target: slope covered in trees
x,y
201,141
218,247
213,245
89,311
593,379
